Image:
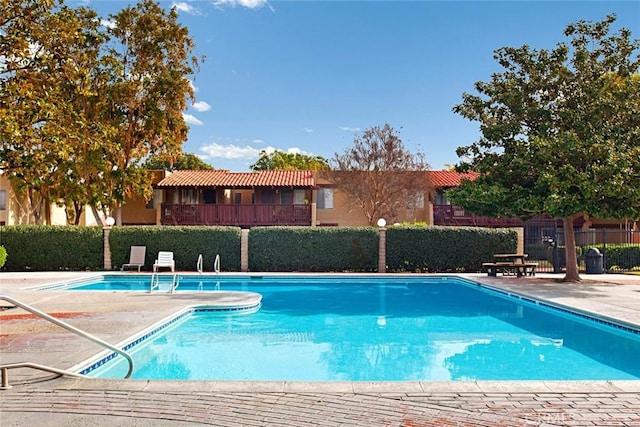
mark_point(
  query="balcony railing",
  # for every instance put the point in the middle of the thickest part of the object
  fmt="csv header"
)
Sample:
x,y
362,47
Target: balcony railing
x,y
453,215
236,215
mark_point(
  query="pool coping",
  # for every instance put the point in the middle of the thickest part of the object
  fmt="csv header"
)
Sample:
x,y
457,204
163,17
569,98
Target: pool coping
x,y
374,387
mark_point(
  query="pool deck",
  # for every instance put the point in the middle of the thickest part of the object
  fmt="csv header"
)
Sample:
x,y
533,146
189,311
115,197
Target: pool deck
x,y
39,398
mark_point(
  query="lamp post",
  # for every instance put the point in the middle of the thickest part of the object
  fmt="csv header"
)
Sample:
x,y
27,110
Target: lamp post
x,y
109,221
382,244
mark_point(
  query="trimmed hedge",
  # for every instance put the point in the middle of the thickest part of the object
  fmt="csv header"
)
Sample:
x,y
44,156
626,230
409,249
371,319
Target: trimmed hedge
x,y
308,249
562,254
445,249
313,249
51,248
539,252
186,243
619,256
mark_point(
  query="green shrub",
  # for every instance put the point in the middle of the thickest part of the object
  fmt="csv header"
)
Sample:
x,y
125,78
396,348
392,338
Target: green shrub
x,y
47,248
445,249
619,256
313,249
309,249
539,252
562,254
3,256
186,243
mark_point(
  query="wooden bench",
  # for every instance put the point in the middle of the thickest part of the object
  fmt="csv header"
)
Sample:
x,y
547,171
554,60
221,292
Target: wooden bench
x,y
510,268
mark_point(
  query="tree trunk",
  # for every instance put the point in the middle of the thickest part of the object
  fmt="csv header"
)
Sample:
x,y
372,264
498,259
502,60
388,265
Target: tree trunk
x,y
47,211
571,274
118,214
77,208
96,215
35,203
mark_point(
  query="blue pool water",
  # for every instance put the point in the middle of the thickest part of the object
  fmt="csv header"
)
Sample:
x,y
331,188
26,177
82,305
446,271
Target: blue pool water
x,y
377,329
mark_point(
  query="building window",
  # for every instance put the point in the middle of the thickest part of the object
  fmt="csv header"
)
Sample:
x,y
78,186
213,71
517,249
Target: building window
x,y
209,196
325,198
415,201
237,198
269,197
189,196
441,199
155,200
3,200
286,197
299,197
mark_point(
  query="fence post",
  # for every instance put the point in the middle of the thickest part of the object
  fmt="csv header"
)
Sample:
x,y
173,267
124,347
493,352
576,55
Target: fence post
x,y
382,246
604,249
556,251
106,252
244,250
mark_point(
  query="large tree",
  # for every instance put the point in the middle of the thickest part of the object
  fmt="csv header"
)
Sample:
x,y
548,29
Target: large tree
x,y
151,59
380,174
186,161
560,132
82,105
280,160
44,81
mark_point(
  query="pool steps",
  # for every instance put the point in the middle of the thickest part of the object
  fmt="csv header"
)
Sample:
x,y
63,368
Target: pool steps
x,y
252,305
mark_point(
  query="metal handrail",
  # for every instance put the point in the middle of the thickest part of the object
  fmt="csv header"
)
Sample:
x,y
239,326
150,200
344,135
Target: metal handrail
x,y
152,286
216,264
67,327
5,371
175,282
199,264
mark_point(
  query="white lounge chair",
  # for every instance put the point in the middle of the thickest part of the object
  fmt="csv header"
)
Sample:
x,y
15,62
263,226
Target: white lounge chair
x,y
165,260
136,258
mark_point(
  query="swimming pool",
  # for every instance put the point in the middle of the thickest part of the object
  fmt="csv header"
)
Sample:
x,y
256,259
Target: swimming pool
x,y
375,329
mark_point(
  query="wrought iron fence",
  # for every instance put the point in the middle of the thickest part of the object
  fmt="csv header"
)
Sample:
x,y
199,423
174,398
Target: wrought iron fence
x,y
544,242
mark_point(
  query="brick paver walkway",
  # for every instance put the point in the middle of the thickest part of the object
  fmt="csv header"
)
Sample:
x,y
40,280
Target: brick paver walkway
x,y
334,409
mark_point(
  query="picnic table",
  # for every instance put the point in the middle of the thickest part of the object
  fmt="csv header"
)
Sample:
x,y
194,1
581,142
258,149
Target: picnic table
x,y
513,258
510,264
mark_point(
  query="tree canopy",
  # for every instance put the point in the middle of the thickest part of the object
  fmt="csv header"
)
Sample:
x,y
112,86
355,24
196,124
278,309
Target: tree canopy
x,y
280,160
186,161
83,103
380,174
560,132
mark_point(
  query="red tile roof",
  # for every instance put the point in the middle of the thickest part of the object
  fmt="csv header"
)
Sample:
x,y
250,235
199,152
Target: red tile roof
x,y
449,178
278,178
224,178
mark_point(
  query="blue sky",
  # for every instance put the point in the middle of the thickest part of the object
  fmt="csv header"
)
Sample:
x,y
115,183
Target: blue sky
x,y
308,76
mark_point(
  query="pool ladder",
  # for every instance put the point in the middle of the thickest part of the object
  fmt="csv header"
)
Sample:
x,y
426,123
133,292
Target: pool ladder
x,y
4,369
216,264
155,282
